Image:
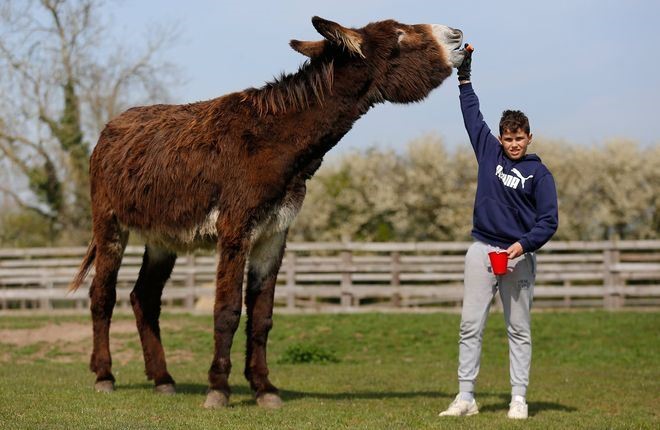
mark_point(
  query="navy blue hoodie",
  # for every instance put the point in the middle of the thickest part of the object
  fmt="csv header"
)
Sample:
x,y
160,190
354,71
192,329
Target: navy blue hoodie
x,y
516,200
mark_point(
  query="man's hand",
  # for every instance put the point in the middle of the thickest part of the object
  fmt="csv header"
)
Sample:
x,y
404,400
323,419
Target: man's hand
x,y
465,69
515,250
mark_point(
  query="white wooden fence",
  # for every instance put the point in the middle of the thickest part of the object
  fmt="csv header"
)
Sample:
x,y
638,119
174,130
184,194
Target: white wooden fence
x,y
355,276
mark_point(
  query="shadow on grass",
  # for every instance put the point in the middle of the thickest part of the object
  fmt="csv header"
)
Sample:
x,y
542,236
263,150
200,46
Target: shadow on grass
x,y
180,388
355,395
292,395
534,407
502,403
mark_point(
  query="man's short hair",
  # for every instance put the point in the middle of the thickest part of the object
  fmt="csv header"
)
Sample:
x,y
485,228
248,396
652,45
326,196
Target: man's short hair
x,y
512,120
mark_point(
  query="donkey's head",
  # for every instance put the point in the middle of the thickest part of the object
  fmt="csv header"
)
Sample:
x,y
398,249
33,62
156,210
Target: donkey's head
x,y
391,61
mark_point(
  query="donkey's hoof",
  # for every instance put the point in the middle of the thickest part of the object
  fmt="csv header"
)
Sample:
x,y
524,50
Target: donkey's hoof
x,y
216,399
104,387
166,389
269,401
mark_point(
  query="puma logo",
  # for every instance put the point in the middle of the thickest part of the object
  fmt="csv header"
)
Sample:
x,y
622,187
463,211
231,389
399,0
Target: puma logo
x,y
509,180
522,178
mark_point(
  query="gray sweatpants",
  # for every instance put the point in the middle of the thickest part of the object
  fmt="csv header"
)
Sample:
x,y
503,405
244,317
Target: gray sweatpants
x,y
516,290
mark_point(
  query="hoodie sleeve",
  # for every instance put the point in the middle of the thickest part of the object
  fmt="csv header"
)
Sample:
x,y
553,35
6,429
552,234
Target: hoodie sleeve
x,y
547,217
481,138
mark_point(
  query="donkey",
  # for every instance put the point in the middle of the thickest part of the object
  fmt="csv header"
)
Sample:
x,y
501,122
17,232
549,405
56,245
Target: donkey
x,y
230,173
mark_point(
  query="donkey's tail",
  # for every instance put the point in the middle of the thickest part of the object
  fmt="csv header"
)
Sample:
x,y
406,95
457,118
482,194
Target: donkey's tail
x,y
84,267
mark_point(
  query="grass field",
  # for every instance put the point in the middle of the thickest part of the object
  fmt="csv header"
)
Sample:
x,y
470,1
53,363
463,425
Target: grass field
x,y
589,370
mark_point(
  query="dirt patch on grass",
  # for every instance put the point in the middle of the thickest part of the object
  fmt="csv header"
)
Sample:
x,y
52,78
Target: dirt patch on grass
x,y
71,342
58,333
66,333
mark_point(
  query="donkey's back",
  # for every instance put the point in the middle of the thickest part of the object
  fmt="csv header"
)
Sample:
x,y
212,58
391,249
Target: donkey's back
x,y
158,168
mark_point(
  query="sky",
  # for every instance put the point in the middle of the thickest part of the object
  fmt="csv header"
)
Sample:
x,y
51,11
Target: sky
x,y
584,71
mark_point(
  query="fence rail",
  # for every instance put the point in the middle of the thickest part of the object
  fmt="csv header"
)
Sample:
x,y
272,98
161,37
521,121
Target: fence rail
x,y
352,276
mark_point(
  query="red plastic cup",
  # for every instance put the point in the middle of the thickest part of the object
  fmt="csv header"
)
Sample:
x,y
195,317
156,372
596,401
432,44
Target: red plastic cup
x,y
498,261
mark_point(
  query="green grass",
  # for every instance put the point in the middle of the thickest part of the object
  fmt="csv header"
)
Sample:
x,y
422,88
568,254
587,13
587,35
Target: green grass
x,y
589,370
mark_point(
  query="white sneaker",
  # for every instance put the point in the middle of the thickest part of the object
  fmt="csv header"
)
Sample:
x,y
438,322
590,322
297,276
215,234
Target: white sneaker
x,y
517,410
460,408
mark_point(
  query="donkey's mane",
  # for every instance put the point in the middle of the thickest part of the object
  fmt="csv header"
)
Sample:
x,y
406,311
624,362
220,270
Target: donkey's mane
x,y
293,92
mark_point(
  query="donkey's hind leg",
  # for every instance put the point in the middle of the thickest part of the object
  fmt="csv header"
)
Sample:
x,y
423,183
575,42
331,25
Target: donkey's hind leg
x,y
110,243
156,268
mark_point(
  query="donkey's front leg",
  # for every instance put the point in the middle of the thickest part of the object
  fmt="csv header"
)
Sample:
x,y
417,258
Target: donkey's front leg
x,y
226,315
265,261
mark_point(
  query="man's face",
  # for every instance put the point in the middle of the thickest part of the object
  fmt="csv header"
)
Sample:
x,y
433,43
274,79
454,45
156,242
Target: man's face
x,y
515,143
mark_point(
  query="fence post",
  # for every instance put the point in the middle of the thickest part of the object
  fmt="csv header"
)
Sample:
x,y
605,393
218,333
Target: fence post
x,y
346,282
46,301
396,279
611,280
290,280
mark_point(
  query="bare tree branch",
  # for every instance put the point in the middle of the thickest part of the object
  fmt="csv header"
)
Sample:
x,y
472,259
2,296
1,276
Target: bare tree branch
x,y
17,161
23,204
59,88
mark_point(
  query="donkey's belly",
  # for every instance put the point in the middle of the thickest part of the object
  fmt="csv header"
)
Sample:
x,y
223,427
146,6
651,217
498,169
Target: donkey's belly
x,y
205,235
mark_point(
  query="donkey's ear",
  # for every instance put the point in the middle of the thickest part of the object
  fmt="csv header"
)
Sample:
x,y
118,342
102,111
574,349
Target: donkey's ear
x,y
308,49
342,36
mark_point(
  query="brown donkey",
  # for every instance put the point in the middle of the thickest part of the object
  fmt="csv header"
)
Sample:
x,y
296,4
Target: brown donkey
x,y
230,173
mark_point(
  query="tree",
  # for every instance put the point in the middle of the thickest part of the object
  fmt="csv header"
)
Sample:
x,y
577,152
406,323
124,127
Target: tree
x,y
356,198
607,191
576,177
625,190
60,84
424,194
438,191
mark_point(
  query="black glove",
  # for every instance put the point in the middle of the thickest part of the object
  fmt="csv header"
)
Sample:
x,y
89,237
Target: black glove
x,y
465,69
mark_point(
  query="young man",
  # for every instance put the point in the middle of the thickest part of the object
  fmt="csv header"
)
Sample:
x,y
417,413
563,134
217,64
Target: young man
x,y
515,210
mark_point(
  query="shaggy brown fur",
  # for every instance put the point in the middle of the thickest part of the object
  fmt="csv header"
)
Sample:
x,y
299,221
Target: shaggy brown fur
x,y
230,173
